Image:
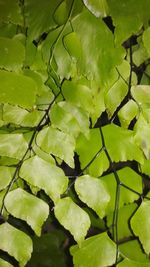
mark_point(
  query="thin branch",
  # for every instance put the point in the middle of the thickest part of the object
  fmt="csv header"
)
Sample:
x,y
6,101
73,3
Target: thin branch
x,y
18,166
117,196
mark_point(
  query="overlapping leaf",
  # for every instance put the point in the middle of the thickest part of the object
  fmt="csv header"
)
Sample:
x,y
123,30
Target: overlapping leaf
x,y
5,176
17,89
98,250
16,243
58,143
69,118
130,179
44,175
140,224
93,192
12,54
98,7
24,206
120,144
73,218
13,145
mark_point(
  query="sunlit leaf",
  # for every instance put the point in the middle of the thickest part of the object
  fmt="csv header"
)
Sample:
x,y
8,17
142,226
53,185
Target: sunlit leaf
x,y
120,144
93,192
70,119
100,163
12,54
119,90
145,167
130,179
72,90
16,243
140,224
73,45
5,176
132,251
141,93
73,218
44,175
13,145
19,116
17,89
98,7
27,207
124,215
142,135
146,39
4,263
131,263
127,113
60,144
103,252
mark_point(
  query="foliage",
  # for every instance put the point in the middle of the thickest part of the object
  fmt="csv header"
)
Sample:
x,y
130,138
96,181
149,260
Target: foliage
x,y
74,133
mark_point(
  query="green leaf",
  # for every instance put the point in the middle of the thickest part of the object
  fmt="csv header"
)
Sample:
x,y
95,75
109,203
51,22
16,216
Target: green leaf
x,y
39,16
69,118
93,192
124,214
19,116
71,91
131,263
145,167
132,250
73,45
60,15
16,243
127,17
13,145
4,263
12,54
127,113
98,250
141,93
146,39
100,163
140,224
59,144
129,178
27,207
44,175
120,144
17,89
5,176
99,8
142,135
119,90
100,55
10,12
73,218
